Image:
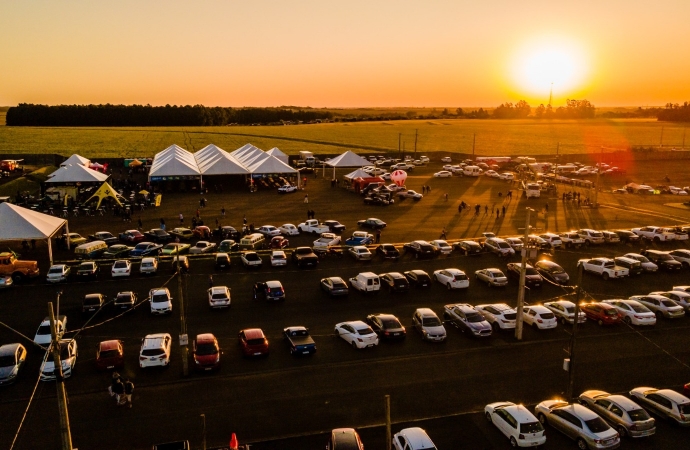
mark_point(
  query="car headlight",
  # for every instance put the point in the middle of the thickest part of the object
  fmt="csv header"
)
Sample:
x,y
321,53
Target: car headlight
x,y
14,373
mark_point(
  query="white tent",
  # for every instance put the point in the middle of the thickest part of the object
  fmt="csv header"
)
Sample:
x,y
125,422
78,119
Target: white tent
x,y
76,174
275,151
347,159
248,154
24,224
173,161
357,173
212,160
270,164
76,160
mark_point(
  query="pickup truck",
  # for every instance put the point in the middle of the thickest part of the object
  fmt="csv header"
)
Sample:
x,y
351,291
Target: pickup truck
x,y
17,269
605,267
327,240
299,341
366,282
313,226
305,257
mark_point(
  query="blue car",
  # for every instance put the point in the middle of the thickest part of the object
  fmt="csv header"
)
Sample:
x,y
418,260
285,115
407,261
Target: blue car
x,y
360,238
146,249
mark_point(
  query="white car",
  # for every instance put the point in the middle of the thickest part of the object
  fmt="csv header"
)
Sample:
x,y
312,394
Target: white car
x,y
160,300
327,240
121,268
357,333
446,159
592,432
288,229
155,350
681,288
539,317
622,413
492,277
452,278
448,167
680,235
682,256
68,359
219,297
386,176
58,273
499,315
516,423
427,323
515,243
677,191
553,239
499,246
360,253
646,264
287,188
268,230
665,402
591,236
656,234
412,439
443,174
43,336
424,159
148,265
660,305
633,312
510,176
410,194
202,247
251,260
572,239
680,297
565,310
441,246
278,258
491,174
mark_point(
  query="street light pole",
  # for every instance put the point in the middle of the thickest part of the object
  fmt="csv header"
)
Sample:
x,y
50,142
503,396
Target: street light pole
x,y
523,272
184,339
65,434
571,367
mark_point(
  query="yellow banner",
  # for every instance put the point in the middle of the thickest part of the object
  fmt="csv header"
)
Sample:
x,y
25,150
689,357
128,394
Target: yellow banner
x,y
159,198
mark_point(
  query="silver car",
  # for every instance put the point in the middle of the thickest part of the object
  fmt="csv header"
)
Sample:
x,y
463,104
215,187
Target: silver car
x,y
665,402
492,277
565,311
578,423
622,413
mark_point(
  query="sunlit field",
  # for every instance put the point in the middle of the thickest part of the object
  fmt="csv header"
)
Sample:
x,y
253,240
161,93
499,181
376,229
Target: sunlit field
x,y
490,137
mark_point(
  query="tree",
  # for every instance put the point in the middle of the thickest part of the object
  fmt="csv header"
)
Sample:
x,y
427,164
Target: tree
x,y
540,111
459,112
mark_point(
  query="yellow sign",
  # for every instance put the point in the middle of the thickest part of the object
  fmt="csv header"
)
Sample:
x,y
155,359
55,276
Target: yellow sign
x,y
159,197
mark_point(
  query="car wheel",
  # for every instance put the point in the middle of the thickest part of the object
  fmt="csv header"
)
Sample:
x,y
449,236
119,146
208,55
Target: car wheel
x,y
449,286
488,417
622,431
354,345
496,327
581,444
657,240
488,283
17,277
587,243
600,322
605,276
627,320
542,419
513,442
658,315
563,321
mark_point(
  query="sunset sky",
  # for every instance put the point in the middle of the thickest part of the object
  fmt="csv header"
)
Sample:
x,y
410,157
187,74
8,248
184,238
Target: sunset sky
x,y
345,54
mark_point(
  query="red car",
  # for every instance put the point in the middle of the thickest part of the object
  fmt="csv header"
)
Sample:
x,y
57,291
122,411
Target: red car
x,y
601,313
206,352
110,355
253,342
279,242
202,232
131,236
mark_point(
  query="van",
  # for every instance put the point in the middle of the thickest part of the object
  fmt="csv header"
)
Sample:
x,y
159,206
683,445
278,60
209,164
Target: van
x,y
90,250
253,241
472,171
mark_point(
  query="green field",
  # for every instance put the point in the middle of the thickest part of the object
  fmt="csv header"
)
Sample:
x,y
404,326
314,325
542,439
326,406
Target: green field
x,y
493,137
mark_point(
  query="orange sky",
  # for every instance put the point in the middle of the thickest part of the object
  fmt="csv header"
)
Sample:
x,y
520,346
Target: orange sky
x,y
355,53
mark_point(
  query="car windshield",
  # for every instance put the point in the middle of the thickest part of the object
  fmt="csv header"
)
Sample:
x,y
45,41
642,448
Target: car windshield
x,y
639,308
610,312
460,277
206,349
596,234
365,331
43,329
597,425
220,295
120,265
431,321
85,266
556,270
7,360
252,257
664,257
510,316
669,303
90,301
124,298
55,270
152,352
637,415
160,298
391,323
142,246
570,309
684,408
278,256
109,354
258,341
475,317
275,290
339,285
531,427
503,245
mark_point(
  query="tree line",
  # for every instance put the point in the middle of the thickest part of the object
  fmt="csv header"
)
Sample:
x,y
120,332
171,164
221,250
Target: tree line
x,y
673,112
26,114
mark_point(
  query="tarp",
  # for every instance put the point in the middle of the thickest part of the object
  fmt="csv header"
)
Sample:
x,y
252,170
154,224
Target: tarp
x,y
270,164
76,160
347,159
212,160
103,192
357,173
76,174
174,161
275,151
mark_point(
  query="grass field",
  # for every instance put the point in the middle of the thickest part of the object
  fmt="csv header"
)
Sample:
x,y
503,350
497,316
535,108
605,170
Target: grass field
x,y
493,137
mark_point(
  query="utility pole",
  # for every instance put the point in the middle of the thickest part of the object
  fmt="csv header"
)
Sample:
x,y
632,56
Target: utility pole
x,y
388,422
523,272
571,367
184,339
415,143
65,434
474,141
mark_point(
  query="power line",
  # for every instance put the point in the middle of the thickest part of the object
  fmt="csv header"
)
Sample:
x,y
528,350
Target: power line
x,y
26,410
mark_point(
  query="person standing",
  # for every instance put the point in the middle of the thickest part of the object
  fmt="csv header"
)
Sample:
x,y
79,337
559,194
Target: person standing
x,y
119,391
222,211
443,233
210,281
503,211
378,236
128,389
181,219
306,198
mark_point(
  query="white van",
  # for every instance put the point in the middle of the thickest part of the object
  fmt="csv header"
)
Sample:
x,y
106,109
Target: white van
x,y
253,241
533,190
472,171
412,439
90,250
366,282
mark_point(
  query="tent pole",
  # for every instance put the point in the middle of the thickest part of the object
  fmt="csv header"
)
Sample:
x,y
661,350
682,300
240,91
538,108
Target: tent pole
x,y
323,174
334,172
67,233
50,249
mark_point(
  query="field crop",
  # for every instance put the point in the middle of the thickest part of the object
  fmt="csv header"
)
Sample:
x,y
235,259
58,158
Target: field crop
x,y
491,137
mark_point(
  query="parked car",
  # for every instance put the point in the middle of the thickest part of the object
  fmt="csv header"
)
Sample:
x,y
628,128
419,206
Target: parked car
x,y
663,260
105,236
418,278
268,231
633,312
395,282
388,251
125,300
360,253
499,315
646,264
552,271
184,234
634,267
532,277
117,251
492,277
68,359
160,301
299,340
158,235
146,249
12,360
121,268
666,403
578,423
75,239
627,236
539,317
251,260
660,305
601,313
387,326
219,297
516,423
222,261
92,303
279,242
268,290
43,334
420,249
680,297
499,247
682,256
344,438
278,258
202,247
148,266
206,352
334,286
412,439
132,236
58,273
427,323
287,188
356,333
452,278
228,246
565,311
110,355
334,226
469,248
253,342
289,229
441,247
373,223
155,350
626,416
467,319
175,248
360,238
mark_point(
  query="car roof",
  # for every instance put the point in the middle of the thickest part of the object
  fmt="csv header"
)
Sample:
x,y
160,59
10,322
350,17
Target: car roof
x,y
205,338
219,289
674,396
109,345
465,307
273,284
154,340
426,312
520,413
253,333
417,437
539,308
418,272
624,402
399,275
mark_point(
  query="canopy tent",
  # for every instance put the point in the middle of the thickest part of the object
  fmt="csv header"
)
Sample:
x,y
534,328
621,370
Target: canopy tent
x,y
248,155
103,192
275,151
270,164
212,160
76,160
174,161
76,174
357,173
347,159
24,224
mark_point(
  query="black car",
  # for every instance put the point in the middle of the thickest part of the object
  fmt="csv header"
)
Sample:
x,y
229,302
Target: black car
x,y
418,278
158,235
228,232
125,300
104,236
117,251
420,249
87,269
183,261
305,257
376,201
634,266
662,259
334,226
334,286
388,251
387,326
374,224
268,290
627,236
552,271
222,261
395,281
469,248
92,303
532,277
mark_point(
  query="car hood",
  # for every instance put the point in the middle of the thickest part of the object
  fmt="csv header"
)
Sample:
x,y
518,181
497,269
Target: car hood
x,y
435,330
479,326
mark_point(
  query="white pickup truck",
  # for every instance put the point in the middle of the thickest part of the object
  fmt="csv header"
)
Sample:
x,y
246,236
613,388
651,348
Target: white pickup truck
x,y
313,226
366,282
605,267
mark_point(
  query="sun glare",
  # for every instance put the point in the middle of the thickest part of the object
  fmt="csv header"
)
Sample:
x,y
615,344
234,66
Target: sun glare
x,y
539,65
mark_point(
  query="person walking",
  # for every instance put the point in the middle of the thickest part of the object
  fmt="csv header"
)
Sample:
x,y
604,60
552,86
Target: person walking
x,y
443,233
181,219
378,236
128,389
114,378
222,211
162,224
119,391
503,211
486,210
497,213
210,281
446,196
306,198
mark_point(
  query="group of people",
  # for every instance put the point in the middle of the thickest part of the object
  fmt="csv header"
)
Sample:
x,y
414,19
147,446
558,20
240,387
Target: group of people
x,y
122,389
